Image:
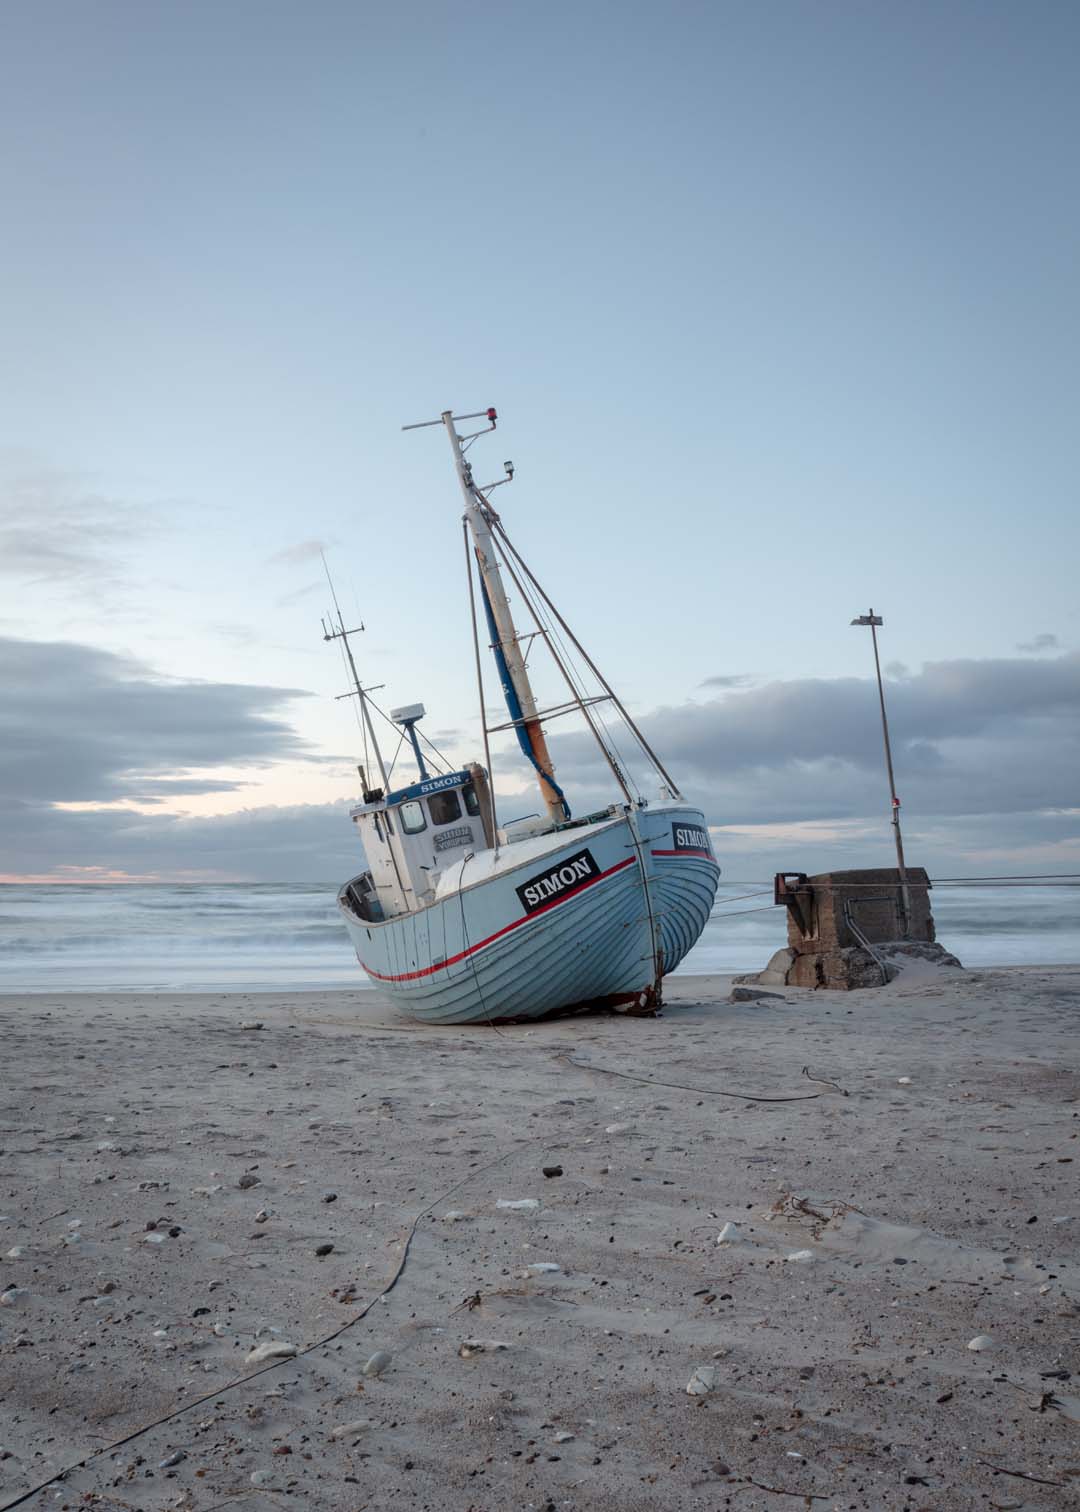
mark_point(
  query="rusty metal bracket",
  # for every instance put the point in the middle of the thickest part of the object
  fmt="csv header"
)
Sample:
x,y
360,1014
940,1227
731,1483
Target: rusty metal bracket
x,y
794,892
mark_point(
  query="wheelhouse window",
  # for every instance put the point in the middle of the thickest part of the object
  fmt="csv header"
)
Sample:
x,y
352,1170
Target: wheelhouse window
x,y
472,802
412,817
444,807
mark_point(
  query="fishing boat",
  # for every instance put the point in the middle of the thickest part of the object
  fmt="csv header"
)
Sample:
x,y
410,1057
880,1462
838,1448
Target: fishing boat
x,y
460,919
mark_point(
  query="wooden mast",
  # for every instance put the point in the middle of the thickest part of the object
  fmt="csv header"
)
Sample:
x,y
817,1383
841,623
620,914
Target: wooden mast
x,y
507,646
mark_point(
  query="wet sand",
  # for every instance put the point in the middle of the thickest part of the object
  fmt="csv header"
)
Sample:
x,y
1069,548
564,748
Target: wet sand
x,y
165,1177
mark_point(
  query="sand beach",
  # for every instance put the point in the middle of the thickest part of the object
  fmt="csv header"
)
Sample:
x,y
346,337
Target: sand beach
x,y
213,1228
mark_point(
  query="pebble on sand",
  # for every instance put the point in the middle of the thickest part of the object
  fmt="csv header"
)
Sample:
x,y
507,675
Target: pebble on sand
x,y
470,1347
377,1363
800,1256
520,1205
702,1381
247,1181
273,1349
981,1342
728,1233
352,1430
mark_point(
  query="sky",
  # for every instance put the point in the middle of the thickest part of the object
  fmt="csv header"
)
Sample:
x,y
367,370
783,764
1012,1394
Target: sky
x,y
778,305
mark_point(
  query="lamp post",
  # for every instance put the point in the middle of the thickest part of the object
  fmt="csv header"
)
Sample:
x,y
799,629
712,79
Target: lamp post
x,y
874,620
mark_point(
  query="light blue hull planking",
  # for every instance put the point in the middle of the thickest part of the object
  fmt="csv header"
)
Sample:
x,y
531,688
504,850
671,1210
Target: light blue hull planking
x,y
479,955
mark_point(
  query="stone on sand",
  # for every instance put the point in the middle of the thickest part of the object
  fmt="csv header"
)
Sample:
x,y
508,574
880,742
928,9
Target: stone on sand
x,y
702,1381
273,1349
351,1430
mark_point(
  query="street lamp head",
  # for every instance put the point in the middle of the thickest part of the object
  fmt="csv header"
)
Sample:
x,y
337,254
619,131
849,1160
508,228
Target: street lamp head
x,y
868,619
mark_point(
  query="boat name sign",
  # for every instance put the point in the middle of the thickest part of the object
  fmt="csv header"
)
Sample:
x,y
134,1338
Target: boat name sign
x,y
571,873
448,839
431,785
685,837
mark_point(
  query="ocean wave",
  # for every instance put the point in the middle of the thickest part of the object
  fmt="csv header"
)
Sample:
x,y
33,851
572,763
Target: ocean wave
x,y
216,937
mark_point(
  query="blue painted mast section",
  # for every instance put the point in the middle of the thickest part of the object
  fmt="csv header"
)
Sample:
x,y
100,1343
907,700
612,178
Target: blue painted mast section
x,y
513,703
505,643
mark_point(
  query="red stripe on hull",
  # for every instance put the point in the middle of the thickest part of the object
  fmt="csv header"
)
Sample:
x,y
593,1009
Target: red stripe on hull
x,y
708,855
412,976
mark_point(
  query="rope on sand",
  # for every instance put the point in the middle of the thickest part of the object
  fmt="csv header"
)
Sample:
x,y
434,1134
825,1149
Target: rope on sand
x,y
649,1081
209,1396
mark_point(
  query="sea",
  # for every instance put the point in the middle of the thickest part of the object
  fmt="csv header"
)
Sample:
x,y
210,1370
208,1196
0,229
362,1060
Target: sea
x,y
281,936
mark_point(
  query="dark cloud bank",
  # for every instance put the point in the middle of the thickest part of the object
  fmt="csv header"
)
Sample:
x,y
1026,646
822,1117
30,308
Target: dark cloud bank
x,y
987,755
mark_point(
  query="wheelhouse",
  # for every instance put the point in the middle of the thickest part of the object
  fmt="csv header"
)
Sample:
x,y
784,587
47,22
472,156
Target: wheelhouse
x,y
412,834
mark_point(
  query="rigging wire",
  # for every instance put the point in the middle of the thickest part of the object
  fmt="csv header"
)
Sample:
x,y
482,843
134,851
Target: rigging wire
x,y
397,753
567,671
1041,879
342,649
560,652
471,954
608,689
624,765
1050,879
431,747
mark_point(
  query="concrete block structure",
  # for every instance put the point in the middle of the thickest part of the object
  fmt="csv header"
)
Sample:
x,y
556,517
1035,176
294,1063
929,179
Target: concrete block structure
x,y
837,919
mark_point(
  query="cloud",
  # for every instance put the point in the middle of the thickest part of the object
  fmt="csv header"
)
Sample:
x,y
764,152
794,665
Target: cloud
x,y
301,843
1044,642
303,551
78,724
735,680
974,743
54,531
790,773
297,594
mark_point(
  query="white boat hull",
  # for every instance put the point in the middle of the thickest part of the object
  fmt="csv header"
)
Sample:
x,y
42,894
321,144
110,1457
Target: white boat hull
x,y
562,921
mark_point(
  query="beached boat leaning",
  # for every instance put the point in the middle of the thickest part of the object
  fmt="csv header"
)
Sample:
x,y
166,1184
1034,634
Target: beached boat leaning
x,y
459,920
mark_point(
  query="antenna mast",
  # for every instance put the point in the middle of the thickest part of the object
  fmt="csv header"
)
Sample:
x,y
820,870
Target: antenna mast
x,y
340,633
